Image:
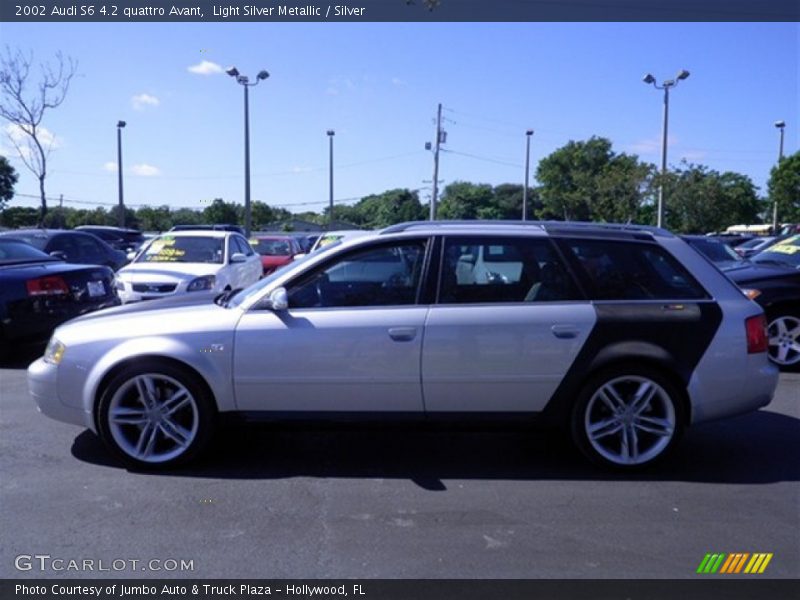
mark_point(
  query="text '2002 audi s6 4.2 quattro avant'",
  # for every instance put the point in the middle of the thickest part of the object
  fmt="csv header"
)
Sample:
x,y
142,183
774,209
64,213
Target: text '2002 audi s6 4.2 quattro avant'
x,y
624,335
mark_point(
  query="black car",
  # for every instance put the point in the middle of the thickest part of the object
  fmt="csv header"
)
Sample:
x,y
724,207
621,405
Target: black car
x,y
39,292
715,250
126,240
73,246
772,278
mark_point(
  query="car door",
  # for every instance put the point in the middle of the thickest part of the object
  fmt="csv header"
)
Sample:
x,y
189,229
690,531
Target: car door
x,y
508,322
347,343
65,244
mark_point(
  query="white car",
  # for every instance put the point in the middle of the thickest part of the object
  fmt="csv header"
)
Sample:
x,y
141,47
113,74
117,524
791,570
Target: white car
x,y
189,261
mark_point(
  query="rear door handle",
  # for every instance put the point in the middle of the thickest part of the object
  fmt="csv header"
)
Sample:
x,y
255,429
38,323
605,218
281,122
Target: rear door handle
x,y
564,332
403,334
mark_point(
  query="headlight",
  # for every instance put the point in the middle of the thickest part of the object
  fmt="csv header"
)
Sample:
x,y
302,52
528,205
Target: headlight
x,y
54,351
752,294
202,283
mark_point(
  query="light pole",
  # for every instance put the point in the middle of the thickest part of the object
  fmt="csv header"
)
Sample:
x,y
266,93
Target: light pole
x,y
666,86
780,125
528,135
121,216
244,81
331,133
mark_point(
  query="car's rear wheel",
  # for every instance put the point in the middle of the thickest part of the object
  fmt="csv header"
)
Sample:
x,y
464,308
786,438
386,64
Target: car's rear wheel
x,y
155,415
783,332
627,417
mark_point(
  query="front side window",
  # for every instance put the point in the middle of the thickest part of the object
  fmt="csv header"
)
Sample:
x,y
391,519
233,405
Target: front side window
x,y
514,269
386,275
184,249
617,270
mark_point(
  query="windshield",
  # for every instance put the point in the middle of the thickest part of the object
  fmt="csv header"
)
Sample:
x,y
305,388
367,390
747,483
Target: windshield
x,y
786,253
184,249
716,251
275,247
12,251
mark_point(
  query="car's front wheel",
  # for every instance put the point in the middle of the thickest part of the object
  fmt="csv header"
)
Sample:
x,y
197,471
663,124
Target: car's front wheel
x,y
154,415
783,332
627,417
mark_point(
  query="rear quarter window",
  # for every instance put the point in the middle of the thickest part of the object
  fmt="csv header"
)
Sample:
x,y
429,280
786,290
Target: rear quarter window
x,y
620,270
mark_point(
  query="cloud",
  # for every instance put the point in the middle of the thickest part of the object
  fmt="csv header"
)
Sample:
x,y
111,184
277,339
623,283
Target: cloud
x,y
144,170
142,101
397,82
110,166
331,91
18,135
650,145
206,67
301,169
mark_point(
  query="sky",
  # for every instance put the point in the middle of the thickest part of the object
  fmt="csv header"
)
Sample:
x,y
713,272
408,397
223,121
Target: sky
x,y
378,85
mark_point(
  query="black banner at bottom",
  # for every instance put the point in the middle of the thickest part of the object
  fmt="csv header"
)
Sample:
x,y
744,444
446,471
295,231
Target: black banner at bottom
x,y
733,588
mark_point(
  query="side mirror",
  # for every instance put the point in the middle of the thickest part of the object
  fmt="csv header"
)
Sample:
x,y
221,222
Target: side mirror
x,y
58,254
238,257
278,299
131,255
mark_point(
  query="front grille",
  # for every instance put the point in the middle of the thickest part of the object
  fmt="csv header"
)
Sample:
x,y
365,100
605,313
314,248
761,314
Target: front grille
x,y
154,288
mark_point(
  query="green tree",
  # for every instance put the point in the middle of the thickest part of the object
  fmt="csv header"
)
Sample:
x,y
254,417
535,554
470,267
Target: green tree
x,y
262,214
701,200
588,181
381,210
154,219
8,179
15,217
464,200
187,216
221,212
784,188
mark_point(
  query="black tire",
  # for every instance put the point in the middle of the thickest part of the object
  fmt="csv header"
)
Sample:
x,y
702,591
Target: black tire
x,y
625,436
784,336
171,427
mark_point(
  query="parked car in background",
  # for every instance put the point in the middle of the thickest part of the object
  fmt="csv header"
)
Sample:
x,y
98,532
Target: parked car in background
x,y
39,292
275,251
189,261
73,246
754,246
126,240
772,279
717,251
335,236
623,335
209,227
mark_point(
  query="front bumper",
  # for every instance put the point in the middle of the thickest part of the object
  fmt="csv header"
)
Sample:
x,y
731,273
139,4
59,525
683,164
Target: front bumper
x,y
43,388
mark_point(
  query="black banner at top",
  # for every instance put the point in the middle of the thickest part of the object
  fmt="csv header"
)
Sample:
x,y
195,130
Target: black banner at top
x,y
396,10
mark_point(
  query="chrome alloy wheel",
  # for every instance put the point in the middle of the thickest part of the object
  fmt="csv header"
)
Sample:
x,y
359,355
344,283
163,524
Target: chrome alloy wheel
x,y
153,418
630,420
784,340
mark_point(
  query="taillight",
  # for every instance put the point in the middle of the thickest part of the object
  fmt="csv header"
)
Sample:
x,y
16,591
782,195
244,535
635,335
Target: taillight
x,y
47,286
757,340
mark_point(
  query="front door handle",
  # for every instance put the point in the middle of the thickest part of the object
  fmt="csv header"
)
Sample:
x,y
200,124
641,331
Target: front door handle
x,y
564,332
403,334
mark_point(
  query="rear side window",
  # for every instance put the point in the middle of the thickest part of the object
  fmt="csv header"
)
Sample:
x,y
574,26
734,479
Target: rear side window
x,y
513,269
616,270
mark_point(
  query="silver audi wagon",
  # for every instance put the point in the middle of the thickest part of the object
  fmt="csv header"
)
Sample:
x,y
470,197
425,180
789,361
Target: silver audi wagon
x,y
623,335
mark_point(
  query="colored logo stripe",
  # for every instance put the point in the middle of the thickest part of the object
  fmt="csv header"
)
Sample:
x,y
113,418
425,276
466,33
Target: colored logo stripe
x,y
734,563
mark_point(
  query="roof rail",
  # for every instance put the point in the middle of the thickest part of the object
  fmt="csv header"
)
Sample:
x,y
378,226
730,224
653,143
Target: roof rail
x,y
550,226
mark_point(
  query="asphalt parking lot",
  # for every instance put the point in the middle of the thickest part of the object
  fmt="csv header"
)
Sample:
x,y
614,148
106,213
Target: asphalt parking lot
x,y
398,502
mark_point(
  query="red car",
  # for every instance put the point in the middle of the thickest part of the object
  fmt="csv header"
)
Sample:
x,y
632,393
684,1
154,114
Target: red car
x,y
276,251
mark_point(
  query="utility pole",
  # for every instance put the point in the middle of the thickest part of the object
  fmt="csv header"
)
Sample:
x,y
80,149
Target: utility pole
x,y
439,133
121,215
780,125
331,133
528,135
